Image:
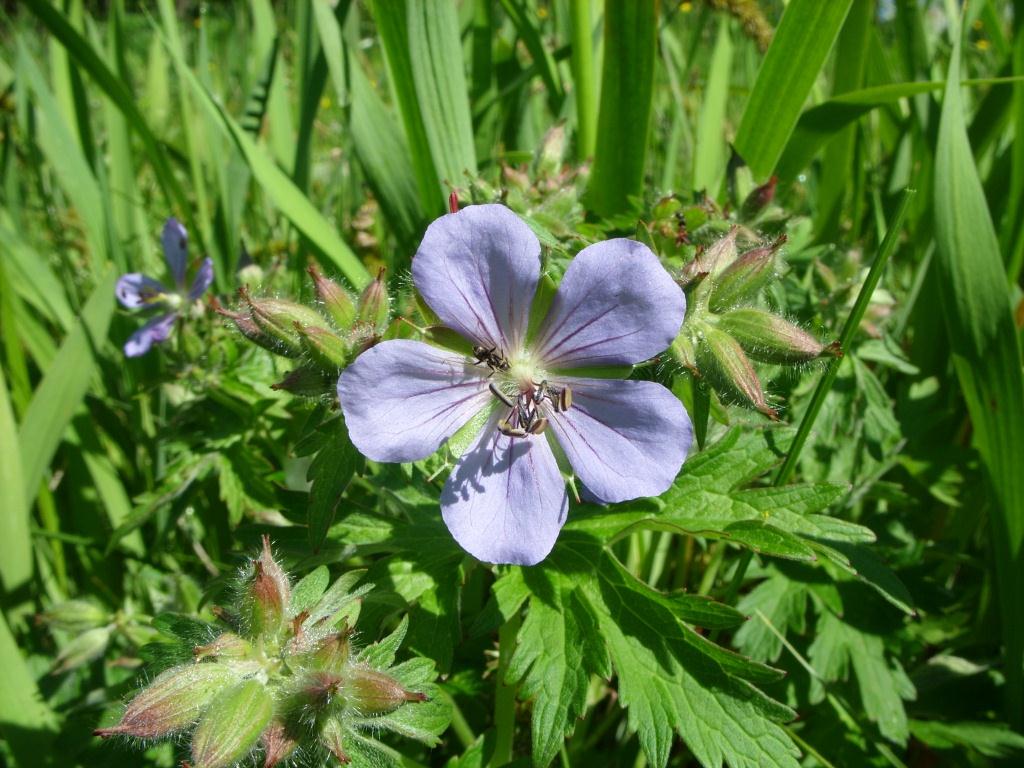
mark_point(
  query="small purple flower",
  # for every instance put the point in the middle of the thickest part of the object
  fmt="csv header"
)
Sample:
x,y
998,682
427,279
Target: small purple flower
x,y
505,501
136,291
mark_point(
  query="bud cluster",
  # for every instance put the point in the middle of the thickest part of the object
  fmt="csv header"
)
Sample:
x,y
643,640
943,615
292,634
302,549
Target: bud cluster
x,y
324,339
725,330
284,682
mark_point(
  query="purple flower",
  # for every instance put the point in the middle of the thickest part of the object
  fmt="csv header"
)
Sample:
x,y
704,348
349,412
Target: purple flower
x,y
506,500
136,291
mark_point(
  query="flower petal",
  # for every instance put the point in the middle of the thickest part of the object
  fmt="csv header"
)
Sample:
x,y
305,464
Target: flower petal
x,y
616,306
135,290
402,399
175,240
202,280
624,439
478,270
505,501
155,331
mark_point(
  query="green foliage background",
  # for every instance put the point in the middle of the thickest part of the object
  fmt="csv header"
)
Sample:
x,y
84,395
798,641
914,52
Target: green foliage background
x,y
841,589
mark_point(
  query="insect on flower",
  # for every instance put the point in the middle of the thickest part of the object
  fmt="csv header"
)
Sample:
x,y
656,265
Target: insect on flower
x,y
536,391
137,291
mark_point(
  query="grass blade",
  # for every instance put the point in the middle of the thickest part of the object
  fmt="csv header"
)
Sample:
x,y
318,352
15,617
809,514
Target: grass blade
x,y
584,78
797,53
63,386
710,155
986,356
15,541
27,724
435,53
627,91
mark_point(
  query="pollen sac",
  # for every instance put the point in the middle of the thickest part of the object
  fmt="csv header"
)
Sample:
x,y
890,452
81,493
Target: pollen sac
x,y
172,702
722,358
232,725
269,594
745,277
769,338
336,300
374,693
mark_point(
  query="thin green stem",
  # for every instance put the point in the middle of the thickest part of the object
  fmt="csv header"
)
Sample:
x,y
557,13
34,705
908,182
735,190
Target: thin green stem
x,y
505,695
825,385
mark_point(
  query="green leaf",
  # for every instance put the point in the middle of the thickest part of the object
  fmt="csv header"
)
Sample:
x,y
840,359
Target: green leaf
x,y
797,53
986,355
27,724
989,739
310,589
883,685
330,473
64,386
627,98
669,683
15,541
558,649
768,540
780,602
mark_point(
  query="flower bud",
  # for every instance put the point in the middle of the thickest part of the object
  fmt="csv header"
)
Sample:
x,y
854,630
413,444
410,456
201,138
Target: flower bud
x,y
172,702
331,736
374,693
759,199
232,725
722,358
712,260
374,304
247,327
278,744
552,151
334,651
326,348
85,647
744,278
336,300
269,595
227,646
771,339
75,616
319,690
307,381
276,318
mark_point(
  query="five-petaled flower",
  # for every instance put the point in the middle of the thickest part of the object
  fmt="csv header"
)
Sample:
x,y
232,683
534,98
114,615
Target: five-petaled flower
x,y
136,291
506,500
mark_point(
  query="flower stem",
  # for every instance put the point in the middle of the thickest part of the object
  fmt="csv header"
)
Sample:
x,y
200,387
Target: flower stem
x,y
825,384
505,695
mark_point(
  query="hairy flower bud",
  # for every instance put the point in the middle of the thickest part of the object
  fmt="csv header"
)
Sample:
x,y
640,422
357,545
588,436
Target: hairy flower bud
x,y
227,646
331,736
333,652
336,300
269,595
75,616
744,278
374,306
551,154
231,726
374,693
172,702
307,381
82,649
278,744
247,327
277,318
326,348
722,358
712,260
771,339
